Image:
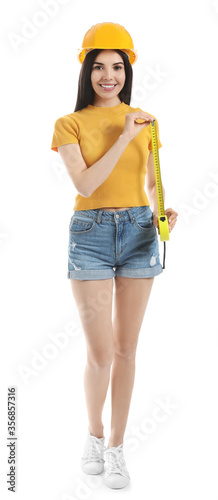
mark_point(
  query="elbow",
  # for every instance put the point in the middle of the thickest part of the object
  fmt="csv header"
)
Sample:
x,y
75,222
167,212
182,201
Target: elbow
x,y
152,187
82,192
82,189
86,192
86,195
80,186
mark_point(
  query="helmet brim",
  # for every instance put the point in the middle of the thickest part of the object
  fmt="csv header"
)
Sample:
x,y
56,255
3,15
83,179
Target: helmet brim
x,y
133,56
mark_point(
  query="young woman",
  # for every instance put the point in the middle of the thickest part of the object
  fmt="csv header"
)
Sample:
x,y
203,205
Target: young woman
x,y
112,233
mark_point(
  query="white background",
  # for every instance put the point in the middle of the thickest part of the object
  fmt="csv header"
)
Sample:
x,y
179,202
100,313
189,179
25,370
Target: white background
x,y
175,79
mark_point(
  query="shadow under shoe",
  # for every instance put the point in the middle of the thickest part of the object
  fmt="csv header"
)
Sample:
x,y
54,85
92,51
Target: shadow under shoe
x,y
92,461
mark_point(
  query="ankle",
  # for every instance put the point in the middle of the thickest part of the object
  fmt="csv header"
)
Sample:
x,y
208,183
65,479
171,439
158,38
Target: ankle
x,y
115,438
115,443
99,433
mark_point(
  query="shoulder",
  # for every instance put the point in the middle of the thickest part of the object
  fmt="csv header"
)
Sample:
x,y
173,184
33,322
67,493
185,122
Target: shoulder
x,y
145,111
67,120
133,110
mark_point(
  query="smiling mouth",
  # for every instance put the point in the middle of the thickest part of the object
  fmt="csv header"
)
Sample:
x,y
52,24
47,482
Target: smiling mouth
x,y
111,85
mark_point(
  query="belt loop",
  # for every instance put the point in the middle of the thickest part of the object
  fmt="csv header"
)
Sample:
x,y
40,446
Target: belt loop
x,y
99,216
130,214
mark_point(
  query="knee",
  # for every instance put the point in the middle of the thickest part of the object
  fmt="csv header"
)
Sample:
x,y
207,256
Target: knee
x,y
100,360
127,352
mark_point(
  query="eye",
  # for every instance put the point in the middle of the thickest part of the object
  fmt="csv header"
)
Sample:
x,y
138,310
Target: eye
x,y
97,67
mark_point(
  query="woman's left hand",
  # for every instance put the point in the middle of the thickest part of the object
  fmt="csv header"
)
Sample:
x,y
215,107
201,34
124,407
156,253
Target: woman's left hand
x,y
171,216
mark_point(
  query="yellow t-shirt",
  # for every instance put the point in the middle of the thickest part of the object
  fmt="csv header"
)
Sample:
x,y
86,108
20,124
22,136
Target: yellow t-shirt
x,y
96,129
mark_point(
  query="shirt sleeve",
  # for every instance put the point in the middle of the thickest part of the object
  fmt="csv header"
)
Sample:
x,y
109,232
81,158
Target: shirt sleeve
x,y
65,132
158,139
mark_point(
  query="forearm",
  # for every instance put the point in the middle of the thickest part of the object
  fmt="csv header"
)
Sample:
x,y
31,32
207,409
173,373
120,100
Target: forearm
x,y
152,196
95,175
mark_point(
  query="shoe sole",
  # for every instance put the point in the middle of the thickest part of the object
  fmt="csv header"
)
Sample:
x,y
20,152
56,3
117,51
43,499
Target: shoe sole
x,y
113,482
92,472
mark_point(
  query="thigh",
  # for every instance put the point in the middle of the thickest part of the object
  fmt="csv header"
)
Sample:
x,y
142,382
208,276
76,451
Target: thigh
x,y
94,303
130,302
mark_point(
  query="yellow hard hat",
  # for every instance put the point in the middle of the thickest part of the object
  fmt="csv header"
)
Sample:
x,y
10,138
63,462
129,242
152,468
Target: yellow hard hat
x,y
108,36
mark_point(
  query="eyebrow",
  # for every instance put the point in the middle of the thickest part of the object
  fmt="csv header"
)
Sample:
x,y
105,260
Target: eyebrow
x,y
112,64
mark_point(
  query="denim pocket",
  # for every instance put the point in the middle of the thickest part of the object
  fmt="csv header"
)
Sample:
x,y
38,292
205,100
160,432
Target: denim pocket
x,y
81,226
144,221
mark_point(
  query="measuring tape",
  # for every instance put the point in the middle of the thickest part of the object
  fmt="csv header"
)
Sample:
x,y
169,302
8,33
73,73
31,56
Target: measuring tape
x,y
163,229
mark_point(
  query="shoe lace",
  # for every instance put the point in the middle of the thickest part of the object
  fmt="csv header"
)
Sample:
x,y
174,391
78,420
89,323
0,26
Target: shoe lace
x,y
115,461
93,453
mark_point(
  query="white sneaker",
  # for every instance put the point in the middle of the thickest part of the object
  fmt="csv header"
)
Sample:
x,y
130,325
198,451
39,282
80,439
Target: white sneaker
x,y
92,461
116,473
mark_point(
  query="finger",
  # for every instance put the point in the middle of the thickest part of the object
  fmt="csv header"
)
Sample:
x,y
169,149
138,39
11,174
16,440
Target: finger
x,y
171,226
143,119
171,212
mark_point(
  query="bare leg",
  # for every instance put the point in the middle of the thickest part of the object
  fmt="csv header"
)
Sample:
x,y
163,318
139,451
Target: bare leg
x,y
130,306
96,381
96,320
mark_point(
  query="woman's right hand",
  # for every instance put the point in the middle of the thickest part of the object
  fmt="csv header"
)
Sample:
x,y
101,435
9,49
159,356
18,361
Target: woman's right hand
x,y
132,128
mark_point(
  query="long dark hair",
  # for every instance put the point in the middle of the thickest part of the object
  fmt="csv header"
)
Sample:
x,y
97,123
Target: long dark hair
x,y
86,93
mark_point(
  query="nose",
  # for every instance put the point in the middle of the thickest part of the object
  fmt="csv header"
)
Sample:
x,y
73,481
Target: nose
x,y
107,74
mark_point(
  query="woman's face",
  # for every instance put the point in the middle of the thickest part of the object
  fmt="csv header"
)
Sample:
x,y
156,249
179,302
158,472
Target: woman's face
x,y
108,68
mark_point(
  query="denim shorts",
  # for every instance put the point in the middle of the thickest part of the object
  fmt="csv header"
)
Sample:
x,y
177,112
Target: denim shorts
x,y
104,244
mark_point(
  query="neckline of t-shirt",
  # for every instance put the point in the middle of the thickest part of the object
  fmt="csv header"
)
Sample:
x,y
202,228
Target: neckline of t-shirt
x,y
107,109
